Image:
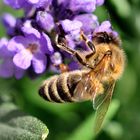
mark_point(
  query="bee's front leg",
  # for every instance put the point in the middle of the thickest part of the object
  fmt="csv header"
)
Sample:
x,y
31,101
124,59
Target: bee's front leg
x,y
88,42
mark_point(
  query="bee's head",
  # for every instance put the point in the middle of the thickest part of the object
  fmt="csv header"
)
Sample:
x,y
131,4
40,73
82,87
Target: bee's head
x,y
104,37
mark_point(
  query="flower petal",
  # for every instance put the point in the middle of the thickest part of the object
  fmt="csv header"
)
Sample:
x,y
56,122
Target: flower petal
x,y
105,26
99,2
45,20
72,27
16,4
56,58
6,68
39,62
70,41
46,45
83,5
17,43
9,22
4,52
33,1
27,29
89,21
44,3
23,59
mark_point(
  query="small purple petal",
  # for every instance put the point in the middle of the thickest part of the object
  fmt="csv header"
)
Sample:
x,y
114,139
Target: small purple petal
x,y
44,3
70,41
17,43
115,34
89,21
74,65
69,25
4,52
99,2
83,5
23,59
33,1
45,20
16,4
56,58
105,26
39,62
72,27
3,42
46,45
6,68
30,31
63,2
9,22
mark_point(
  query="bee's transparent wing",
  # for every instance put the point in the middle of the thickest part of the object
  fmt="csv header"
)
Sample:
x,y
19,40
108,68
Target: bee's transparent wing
x,y
101,103
85,88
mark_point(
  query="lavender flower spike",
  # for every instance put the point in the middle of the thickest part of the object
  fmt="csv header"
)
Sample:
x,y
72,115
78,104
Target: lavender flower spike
x,y
30,50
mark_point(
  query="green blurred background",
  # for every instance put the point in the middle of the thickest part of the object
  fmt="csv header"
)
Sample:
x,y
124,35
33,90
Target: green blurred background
x,y
75,121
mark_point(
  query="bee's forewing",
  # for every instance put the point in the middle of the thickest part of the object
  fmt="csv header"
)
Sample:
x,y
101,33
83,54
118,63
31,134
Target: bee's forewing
x,y
102,107
86,88
99,99
80,92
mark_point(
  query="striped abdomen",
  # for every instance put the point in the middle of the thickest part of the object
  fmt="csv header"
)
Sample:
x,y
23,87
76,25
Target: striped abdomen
x,y
60,88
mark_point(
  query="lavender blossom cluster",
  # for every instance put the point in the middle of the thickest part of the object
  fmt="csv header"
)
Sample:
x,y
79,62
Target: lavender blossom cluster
x,y
30,44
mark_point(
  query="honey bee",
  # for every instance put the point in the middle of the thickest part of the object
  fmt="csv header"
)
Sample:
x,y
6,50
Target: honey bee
x,y
102,66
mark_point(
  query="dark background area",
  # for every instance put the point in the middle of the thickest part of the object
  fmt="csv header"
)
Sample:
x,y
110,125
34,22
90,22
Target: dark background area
x,y
74,121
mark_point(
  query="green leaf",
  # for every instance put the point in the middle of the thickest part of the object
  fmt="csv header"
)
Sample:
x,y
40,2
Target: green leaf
x,y
15,125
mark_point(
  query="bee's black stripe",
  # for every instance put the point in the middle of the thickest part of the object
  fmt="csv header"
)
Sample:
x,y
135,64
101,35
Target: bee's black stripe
x,y
62,88
72,82
52,90
42,93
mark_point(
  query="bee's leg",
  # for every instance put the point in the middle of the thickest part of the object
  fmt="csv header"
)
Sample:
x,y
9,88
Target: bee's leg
x,y
88,42
62,44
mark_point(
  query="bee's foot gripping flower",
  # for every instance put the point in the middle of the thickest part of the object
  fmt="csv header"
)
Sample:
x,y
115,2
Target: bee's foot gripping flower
x,y
31,43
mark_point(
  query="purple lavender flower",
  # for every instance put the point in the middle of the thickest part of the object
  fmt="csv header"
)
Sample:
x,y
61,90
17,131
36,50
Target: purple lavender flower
x,y
89,22
105,27
83,5
72,27
9,22
30,50
7,67
32,37
45,20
